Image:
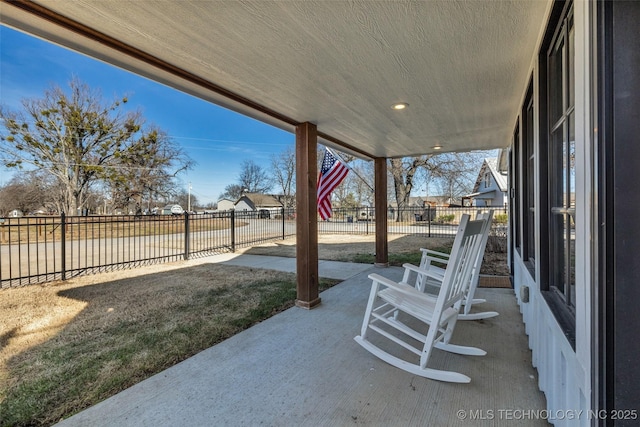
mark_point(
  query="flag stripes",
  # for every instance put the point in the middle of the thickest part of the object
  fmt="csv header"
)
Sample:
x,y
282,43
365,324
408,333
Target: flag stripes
x,y
332,172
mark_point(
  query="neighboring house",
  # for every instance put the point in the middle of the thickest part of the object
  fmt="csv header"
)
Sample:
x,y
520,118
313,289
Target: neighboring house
x,y
491,186
257,202
225,205
441,201
416,202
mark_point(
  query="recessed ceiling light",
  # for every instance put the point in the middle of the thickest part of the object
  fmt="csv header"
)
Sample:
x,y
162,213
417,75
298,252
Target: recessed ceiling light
x,y
400,106
437,147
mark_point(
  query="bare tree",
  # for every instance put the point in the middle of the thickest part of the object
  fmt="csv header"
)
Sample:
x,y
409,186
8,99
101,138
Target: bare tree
x,y
26,191
403,172
80,140
446,169
186,199
362,182
355,190
148,165
233,191
283,167
253,178
456,174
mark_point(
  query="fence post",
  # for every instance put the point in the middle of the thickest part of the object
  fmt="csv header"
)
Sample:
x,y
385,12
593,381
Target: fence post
x,y
186,236
63,245
233,230
367,219
283,223
429,220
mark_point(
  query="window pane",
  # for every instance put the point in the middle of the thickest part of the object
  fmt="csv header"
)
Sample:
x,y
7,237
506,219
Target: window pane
x,y
571,205
571,65
570,165
561,161
556,104
531,235
557,155
531,220
515,183
529,201
557,198
571,254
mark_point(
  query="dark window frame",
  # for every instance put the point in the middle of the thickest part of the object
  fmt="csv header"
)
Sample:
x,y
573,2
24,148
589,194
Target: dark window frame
x,y
515,196
555,296
528,184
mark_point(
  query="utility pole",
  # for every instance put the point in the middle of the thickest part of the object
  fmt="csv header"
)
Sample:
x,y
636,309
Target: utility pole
x,y
189,199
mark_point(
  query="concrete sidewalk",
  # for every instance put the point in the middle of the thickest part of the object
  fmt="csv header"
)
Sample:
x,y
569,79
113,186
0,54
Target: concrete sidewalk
x,y
303,368
328,269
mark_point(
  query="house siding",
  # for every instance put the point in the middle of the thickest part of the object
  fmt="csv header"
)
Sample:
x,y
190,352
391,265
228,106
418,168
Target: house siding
x,y
564,371
561,375
225,205
491,186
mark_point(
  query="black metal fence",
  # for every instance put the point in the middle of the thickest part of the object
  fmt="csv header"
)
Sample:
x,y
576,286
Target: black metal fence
x,y
429,221
43,249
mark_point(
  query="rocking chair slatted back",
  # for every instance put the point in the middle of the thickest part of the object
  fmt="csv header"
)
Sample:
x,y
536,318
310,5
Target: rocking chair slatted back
x,y
388,299
462,260
429,257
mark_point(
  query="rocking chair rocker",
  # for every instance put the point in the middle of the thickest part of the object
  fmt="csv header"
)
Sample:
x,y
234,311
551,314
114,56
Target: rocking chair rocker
x,y
393,306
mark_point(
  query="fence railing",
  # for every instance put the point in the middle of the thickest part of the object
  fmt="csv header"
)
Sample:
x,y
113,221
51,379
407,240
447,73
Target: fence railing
x,y
44,249
430,221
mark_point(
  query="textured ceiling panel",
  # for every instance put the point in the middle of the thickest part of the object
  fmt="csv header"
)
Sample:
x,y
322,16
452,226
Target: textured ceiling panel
x,y
461,66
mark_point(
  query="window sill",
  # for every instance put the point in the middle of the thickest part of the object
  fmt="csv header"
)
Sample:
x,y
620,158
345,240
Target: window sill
x,y
564,315
531,268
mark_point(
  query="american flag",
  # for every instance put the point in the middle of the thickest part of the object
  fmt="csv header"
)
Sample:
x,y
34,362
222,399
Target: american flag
x,y
332,172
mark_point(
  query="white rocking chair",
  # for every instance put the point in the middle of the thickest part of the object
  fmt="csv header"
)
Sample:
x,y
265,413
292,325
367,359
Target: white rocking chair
x,y
430,256
389,300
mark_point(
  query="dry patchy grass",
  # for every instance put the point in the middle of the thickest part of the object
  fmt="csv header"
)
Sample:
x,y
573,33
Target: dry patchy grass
x,y
67,346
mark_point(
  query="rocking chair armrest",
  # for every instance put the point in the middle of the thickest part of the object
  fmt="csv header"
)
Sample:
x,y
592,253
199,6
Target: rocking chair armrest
x,y
434,259
436,273
430,272
429,252
400,287
435,269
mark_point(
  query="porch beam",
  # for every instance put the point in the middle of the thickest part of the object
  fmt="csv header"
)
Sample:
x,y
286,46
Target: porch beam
x,y
382,246
306,216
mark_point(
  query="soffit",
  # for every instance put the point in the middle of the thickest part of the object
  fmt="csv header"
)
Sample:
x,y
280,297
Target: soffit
x,y
461,66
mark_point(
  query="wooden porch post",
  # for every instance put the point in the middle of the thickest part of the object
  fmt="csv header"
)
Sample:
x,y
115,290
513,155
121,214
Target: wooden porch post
x,y
382,246
306,216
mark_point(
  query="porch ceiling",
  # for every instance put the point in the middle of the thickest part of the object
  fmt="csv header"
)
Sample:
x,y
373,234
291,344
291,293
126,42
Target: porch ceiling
x,y
461,66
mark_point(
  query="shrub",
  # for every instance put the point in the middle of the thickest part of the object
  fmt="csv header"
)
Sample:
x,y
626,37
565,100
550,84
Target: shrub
x,y
500,218
446,218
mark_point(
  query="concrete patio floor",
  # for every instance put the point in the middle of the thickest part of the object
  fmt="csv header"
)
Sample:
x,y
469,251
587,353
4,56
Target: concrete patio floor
x,y
303,368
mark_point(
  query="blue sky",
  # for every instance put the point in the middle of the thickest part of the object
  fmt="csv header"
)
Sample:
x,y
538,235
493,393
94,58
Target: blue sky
x,y
217,139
